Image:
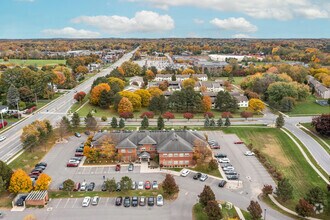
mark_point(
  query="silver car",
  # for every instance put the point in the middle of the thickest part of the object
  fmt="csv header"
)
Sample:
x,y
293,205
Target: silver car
x,y
203,177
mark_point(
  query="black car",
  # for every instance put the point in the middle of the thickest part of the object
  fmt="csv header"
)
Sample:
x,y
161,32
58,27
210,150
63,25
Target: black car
x,y
151,201
87,132
220,155
222,183
41,164
77,134
119,201
41,167
20,201
91,186
104,187
127,201
232,177
197,176
135,201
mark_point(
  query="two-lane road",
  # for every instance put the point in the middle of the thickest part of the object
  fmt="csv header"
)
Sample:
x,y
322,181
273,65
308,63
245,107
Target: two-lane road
x,y
53,112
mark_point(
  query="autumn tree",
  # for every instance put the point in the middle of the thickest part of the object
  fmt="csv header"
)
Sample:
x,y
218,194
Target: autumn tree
x,y
126,115
130,68
116,81
81,69
188,115
125,105
213,210
133,98
75,120
206,195
213,164
150,75
168,115
126,183
64,127
90,121
147,114
284,190
96,93
169,185
163,85
42,182
256,105
267,189
68,186
206,103
322,124
114,123
5,175
188,71
79,96
110,185
255,210
20,182
245,114
145,96
189,83
304,208
155,91
280,121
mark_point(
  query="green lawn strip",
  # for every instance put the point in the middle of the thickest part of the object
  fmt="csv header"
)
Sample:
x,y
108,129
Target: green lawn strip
x,y
176,169
205,169
317,136
246,215
198,212
33,62
283,154
309,155
308,107
228,213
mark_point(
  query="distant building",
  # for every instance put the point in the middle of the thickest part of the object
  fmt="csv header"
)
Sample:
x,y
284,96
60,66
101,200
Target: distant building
x,y
4,109
212,86
93,66
242,101
225,57
320,89
138,80
131,88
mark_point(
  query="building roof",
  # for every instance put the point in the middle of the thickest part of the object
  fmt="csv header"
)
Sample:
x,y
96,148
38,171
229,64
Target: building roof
x,y
147,140
3,107
175,143
126,143
322,88
37,195
242,98
136,78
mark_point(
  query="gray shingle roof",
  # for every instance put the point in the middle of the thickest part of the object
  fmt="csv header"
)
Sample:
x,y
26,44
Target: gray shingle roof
x,y
175,143
147,140
126,143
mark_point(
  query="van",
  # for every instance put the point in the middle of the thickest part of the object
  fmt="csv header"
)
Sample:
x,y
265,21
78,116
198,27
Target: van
x,y
76,187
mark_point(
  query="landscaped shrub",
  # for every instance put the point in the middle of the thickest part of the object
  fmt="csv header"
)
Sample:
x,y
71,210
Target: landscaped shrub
x,y
148,114
209,114
226,115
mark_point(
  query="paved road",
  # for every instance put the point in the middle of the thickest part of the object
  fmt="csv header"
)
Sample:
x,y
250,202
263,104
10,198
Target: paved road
x,y
53,112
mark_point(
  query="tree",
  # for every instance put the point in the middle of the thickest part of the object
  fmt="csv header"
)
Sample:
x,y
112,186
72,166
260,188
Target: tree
x,y
246,115
147,114
79,96
155,91
207,121
96,93
145,96
280,121
287,104
163,85
219,122
158,104
126,183
189,83
81,69
255,210
188,71
133,98
20,182
160,123
209,114
225,102
284,190
150,75
104,101
168,115
213,211
256,105
68,185
42,182
227,122
316,195
12,96
75,120
114,123
90,121
64,127
188,115
206,103
145,123
322,124
111,185
267,189
170,187
121,123
206,195
116,81
212,123
5,173
25,94
130,68
213,164
2,185
304,209
125,105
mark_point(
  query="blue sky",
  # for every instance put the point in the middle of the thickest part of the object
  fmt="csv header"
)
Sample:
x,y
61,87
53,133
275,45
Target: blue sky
x,y
164,18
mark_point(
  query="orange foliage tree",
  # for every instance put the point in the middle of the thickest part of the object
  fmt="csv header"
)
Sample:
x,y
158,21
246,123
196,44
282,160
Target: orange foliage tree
x,y
125,105
145,96
155,91
96,92
20,182
42,182
206,103
256,105
133,98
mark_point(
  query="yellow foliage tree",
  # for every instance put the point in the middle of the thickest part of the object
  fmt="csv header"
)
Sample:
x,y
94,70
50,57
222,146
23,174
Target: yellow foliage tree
x,y
133,98
42,182
117,81
145,96
150,75
256,105
206,103
20,182
188,83
96,92
125,105
188,71
155,91
326,81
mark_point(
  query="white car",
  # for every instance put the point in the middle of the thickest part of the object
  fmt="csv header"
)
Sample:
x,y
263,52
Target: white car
x,y
86,201
2,138
203,177
141,185
228,168
185,172
159,200
249,153
83,186
224,160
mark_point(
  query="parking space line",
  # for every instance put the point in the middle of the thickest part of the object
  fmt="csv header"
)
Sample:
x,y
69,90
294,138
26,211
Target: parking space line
x,y
58,203
66,203
74,202
107,201
110,170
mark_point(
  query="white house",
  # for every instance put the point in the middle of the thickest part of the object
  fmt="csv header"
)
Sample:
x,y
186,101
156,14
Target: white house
x,y
163,77
136,80
224,57
4,109
242,101
212,86
320,89
93,66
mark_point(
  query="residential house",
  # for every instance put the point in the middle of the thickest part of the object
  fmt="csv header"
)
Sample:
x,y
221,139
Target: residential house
x,y
212,86
242,101
174,86
4,109
131,88
163,77
93,66
136,80
212,95
320,89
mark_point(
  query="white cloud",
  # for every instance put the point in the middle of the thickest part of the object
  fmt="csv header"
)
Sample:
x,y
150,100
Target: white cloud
x,y
69,32
270,9
234,24
198,21
241,36
143,21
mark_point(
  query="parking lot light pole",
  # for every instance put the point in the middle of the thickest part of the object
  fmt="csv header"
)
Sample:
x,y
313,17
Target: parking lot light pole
x,y
265,214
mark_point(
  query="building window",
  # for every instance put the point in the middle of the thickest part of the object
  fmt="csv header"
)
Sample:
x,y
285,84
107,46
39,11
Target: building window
x,y
164,155
143,149
169,162
186,161
123,151
175,162
129,151
170,155
165,162
181,154
181,162
186,154
175,155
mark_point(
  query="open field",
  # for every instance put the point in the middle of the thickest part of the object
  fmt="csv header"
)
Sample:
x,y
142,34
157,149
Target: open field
x,y
282,153
237,79
33,62
309,107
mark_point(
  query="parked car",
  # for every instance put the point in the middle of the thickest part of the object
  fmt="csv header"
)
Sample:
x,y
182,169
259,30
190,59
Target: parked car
x,y
40,170
2,138
141,185
197,176
87,132
41,164
127,201
159,200
226,165
154,185
147,185
76,186
35,177
119,201
135,201
118,167
215,146
95,200
142,201
220,155
104,187
76,159
133,185
86,201
230,172
72,164
91,186
232,177
238,142
185,172
224,160
79,154
77,134
83,186
222,183
35,173
228,168
249,153
203,177
20,201
130,167
41,167
118,187
151,201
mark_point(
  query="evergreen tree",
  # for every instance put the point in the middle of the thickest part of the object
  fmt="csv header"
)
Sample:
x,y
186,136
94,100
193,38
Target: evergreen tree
x,y
160,123
5,174
219,122
145,122
114,123
206,195
75,120
225,102
213,210
212,123
227,122
206,121
158,104
67,122
12,96
121,123
280,121
104,101
284,190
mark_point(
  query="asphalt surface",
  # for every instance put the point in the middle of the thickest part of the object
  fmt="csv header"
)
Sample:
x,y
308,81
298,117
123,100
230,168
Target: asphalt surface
x,y
53,112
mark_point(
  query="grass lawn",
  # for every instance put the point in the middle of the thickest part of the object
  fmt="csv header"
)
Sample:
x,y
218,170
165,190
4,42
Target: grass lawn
x,y
33,62
5,199
198,212
205,169
177,169
43,102
309,107
237,79
283,154
316,135
246,215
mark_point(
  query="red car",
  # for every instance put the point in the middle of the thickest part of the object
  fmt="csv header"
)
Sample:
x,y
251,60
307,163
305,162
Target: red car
x,y
238,142
147,185
71,164
118,167
79,154
215,146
